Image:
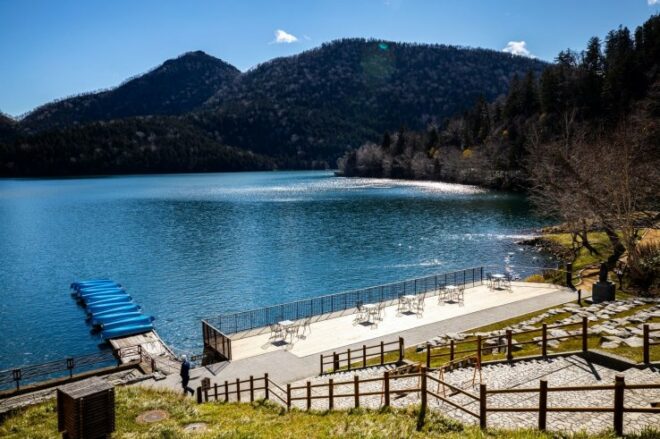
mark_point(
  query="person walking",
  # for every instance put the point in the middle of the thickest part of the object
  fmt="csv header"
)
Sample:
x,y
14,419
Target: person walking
x,y
185,375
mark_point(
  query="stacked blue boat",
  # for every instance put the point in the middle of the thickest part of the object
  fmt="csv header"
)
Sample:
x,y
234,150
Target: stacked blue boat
x,y
111,309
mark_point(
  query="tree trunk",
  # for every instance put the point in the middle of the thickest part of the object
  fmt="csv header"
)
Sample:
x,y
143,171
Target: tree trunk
x,y
586,244
617,247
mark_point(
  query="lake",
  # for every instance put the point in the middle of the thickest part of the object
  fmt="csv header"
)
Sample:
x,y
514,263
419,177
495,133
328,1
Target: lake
x,y
197,245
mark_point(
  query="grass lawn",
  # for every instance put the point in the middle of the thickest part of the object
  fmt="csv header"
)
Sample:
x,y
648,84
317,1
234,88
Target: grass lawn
x,y
598,240
260,420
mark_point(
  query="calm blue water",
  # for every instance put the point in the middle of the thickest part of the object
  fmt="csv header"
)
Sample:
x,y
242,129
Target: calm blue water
x,y
193,246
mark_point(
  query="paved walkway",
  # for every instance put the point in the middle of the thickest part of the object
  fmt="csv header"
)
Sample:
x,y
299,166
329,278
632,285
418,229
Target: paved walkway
x,y
285,367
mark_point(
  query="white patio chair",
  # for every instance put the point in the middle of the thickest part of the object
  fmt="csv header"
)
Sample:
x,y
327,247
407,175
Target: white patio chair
x,y
419,305
276,332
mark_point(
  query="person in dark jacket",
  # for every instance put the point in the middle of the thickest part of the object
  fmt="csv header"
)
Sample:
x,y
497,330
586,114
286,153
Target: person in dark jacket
x,y
185,375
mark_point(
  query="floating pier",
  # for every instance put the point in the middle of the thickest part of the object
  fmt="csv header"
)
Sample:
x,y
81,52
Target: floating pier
x,y
111,309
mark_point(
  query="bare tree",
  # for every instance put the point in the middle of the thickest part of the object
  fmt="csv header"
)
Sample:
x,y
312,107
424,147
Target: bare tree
x,y
610,181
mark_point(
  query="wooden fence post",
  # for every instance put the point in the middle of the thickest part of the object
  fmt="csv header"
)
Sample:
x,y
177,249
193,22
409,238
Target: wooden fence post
x,y
226,391
482,406
266,386
331,394
288,396
356,389
335,362
479,349
619,387
647,347
238,390
509,345
401,351
386,387
422,372
543,404
585,335
215,391
321,361
451,350
364,355
544,343
428,354
199,395
382,353
309,395
251,388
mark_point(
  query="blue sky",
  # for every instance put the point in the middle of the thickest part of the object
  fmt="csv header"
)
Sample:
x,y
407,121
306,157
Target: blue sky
x,y
52,49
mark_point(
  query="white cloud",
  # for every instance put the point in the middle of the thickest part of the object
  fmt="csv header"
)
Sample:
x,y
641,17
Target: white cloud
x,y
283,37
519,48
653,2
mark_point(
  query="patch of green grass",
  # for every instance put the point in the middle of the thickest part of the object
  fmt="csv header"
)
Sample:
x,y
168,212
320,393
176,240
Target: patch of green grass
x,y
598,240
264,419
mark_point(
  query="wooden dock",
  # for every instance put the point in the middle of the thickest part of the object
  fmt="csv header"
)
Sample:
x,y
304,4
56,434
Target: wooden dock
x,y
145,347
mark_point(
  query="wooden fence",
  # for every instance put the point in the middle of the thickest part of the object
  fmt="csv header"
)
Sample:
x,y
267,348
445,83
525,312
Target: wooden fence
x,y
360,357
289,394
505,343
617,408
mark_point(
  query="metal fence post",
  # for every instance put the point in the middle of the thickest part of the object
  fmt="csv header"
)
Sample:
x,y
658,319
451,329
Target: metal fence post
x,y
70,364
16,376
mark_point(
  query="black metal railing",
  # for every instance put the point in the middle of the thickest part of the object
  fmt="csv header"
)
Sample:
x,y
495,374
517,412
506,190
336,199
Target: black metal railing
x,y
316,306
63,368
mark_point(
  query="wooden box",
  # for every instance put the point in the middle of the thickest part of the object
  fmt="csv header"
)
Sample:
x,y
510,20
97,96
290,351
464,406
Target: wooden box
x,y
86,409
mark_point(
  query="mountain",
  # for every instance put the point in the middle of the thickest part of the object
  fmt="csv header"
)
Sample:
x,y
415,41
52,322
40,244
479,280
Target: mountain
x,y
299,111
321,102
8,127
177,86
